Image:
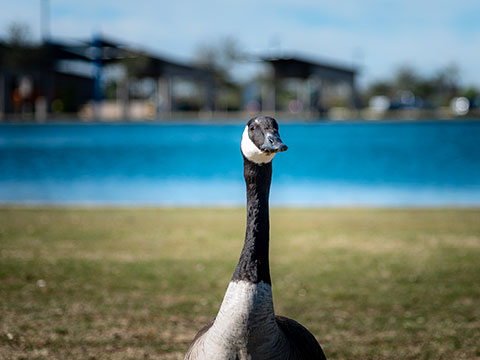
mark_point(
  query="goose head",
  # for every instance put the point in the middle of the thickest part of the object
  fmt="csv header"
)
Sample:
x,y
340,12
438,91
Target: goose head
x,y
261,140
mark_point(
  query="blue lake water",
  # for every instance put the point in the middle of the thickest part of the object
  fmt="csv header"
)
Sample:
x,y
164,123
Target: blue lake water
x,y
327,164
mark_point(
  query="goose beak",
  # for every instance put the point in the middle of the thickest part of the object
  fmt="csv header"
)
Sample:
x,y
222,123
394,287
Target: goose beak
x,y
273,143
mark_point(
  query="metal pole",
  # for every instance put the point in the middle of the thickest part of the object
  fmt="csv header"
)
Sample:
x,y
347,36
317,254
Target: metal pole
x,y
45,20
2,95
97,63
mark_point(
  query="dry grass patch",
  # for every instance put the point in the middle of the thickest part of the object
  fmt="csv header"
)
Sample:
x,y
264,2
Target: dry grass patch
x,y
138,283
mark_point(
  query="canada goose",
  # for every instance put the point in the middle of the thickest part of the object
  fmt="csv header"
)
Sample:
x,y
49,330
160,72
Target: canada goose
x,y
246,326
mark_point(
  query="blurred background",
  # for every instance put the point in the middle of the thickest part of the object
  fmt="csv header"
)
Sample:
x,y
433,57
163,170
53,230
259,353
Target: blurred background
x,y
121,60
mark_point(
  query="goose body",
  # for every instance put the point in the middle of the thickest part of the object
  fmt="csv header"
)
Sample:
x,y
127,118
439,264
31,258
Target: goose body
x,y
246,327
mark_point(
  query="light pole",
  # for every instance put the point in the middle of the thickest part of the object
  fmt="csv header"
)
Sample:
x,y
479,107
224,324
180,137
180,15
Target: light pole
x,y
45,19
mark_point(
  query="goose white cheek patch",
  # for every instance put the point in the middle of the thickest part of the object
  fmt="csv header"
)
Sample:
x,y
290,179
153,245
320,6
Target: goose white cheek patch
x,y
252,152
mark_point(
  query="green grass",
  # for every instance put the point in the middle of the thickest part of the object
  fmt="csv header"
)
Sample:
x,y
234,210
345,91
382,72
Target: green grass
x,y
139,283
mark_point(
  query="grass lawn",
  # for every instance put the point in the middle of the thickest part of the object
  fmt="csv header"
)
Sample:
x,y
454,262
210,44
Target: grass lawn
x,y
139,283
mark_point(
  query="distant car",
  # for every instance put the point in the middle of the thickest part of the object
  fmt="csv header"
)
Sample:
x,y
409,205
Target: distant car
x,y
408,100
460,105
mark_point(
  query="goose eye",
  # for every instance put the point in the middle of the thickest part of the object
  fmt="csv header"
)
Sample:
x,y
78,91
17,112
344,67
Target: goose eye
x,y
252,127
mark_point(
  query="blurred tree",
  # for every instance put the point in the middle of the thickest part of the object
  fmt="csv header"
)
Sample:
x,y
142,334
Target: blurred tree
x,y
424,88
381,87
220,58
438,89
471,93
406,79
23,53
18,34
446,84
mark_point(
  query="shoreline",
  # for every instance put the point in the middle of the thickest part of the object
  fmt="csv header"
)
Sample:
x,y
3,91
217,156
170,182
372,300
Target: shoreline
x,y
232,121
339,115
113,207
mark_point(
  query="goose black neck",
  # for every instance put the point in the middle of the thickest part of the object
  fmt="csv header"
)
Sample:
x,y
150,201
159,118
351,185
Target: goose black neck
x,y
253,265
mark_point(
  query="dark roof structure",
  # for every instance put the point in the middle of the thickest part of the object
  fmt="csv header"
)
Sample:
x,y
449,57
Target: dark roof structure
x,y
151,65
56,68
301,67
304,68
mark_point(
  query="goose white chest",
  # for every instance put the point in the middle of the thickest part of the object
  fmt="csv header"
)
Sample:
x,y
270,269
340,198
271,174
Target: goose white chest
x,y
245,327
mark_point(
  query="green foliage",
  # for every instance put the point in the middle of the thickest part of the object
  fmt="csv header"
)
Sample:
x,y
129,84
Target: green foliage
x,y
19,34
23,53
437,89
220,58
406,78
381,88
471,93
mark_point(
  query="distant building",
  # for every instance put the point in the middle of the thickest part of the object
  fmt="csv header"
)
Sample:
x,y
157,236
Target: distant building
x,y
319,80
62,77
30,80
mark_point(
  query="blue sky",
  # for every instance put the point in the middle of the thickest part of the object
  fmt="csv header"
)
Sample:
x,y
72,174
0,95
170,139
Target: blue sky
x,y
379,35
